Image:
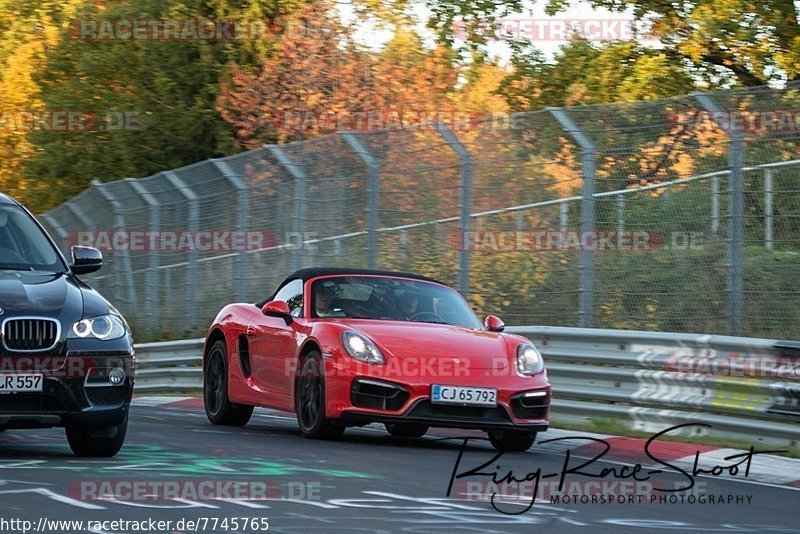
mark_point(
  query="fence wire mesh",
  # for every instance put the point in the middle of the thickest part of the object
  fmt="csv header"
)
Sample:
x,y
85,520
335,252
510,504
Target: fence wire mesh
x,y
675,215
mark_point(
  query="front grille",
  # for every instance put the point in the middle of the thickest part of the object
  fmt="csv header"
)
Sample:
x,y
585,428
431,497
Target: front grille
x,y
530,407
106,395
26,403
30,334
456,412
377,395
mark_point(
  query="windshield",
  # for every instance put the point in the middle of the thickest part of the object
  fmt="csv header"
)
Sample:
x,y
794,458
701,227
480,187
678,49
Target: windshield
x,y
391,299
23,245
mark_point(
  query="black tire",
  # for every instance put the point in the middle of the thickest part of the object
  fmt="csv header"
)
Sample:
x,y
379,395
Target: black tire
x,y
97,442
219,409
310,401
512,440
406,430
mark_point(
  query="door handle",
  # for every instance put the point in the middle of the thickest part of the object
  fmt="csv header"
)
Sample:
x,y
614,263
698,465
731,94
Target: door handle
x,y
251,331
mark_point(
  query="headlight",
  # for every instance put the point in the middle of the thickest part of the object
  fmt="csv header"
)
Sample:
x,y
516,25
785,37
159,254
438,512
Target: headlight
x,y
103,327
529,360
361,348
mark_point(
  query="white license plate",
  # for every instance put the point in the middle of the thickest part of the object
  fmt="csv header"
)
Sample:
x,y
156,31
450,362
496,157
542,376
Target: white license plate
x,y
9,383
463,395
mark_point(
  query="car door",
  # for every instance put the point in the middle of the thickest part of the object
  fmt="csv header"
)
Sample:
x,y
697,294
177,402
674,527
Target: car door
x,y
273,342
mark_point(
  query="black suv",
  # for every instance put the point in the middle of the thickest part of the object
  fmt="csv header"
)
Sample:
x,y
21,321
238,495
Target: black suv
x,y
66,354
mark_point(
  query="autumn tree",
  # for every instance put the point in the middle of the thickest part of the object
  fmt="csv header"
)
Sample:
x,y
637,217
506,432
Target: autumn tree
x,y
321,80
160,94
586,73
715,41
27,29
748,43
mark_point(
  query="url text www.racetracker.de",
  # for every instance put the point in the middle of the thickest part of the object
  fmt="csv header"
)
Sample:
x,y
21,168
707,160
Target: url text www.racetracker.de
x,y
200,524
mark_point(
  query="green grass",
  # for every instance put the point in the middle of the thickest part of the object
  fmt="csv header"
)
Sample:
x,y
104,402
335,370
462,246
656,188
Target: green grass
x,y
602,425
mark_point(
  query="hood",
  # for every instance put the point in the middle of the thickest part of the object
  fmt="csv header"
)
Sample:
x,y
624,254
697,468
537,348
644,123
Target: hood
x,y
45,294
438,343
37,293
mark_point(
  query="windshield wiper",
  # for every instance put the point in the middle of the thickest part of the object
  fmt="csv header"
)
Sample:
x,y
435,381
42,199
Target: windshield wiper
x,y
9,267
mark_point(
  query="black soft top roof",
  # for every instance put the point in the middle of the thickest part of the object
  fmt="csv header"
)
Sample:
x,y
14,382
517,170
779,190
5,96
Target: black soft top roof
x,y
313,272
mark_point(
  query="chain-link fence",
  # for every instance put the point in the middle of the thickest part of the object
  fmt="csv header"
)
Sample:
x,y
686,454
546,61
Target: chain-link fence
x,y
673,215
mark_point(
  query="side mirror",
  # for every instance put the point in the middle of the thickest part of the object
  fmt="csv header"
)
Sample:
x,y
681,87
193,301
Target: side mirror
x,y
492,323
86,260
278,308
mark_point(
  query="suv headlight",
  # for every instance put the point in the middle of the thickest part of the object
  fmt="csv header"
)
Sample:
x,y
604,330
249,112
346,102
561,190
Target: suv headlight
x,y
103,327
529,360
361,348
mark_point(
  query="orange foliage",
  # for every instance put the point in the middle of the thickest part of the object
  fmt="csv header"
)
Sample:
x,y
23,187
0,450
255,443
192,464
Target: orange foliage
x,y
320,81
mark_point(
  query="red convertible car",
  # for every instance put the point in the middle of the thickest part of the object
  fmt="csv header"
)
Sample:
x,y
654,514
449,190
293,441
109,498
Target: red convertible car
x,y
349,347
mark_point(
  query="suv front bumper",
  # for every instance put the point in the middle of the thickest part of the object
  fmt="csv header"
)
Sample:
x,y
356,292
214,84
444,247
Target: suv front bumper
x,y
76,390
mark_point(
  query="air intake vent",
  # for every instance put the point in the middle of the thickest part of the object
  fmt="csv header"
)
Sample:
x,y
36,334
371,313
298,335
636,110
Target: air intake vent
x,y
30,334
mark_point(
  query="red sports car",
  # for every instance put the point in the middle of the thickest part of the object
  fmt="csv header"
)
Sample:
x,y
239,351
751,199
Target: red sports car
x,y
349,347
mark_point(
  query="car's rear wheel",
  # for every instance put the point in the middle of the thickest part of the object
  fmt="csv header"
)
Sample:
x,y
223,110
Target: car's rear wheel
x,y
101,442
310,400
512,440
406,430
219,409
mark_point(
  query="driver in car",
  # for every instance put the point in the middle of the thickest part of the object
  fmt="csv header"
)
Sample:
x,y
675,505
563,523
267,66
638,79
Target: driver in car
x,y
406,306
323,302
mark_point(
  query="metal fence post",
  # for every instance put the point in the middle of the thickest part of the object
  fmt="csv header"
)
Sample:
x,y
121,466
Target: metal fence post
x,y
119,225
736,210
563,217
588,152
768,211
466,203
373,196
299,211
191,257
714,205
151,275
243,213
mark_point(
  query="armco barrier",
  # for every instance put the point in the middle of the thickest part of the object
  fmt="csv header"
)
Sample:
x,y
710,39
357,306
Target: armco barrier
x,y
745,388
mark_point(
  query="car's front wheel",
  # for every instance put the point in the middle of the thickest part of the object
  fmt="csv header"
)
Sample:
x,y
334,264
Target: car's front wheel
x,y
97,442
512,440
406,430
310,400
219,409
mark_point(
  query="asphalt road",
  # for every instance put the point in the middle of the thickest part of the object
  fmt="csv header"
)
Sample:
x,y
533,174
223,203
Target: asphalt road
x,y
366,482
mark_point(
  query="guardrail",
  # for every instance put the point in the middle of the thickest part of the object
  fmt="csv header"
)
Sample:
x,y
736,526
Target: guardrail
x,y
745,388
170,366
